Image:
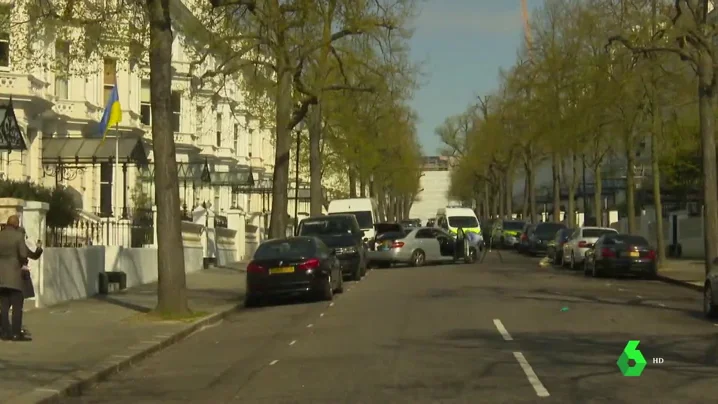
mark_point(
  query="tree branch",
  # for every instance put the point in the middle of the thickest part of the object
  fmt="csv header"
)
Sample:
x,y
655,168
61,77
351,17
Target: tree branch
x,y
648,50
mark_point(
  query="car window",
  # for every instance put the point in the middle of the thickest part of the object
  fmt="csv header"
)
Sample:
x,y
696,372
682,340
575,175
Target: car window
x,y
325,226
629,240
463,221
424,233
364,218
590,233
513,226
294,248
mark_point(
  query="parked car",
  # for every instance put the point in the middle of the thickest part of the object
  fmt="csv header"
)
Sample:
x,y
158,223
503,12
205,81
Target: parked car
x,y
411,223
581,241
523,245
542,234
507,233
421,246
293,266
342,233
382,228
621,254
555,247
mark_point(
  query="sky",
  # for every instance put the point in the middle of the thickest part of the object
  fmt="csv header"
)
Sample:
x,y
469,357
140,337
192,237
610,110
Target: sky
x,y
461,45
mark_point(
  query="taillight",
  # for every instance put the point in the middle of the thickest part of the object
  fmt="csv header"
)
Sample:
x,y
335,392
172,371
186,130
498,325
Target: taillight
x,y
254,268
607,253
397,244
651,255
582,244
524,237
311,263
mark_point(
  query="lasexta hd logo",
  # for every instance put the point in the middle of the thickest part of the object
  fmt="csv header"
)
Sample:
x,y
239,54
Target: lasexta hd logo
x,y
631,353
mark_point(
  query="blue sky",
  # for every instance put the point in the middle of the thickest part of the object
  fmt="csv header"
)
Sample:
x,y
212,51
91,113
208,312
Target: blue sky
x,y
462,44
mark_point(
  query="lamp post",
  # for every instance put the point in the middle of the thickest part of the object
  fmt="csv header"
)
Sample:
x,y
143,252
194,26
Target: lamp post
x,y
300,127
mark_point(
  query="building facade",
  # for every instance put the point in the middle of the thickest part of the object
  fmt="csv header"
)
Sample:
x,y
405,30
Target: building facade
x,y
219,144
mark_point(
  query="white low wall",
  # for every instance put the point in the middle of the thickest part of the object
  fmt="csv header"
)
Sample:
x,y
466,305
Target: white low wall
x,y
251,240
226,250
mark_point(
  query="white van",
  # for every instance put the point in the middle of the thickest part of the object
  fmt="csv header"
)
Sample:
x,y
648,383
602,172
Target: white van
x,y
451,219
364,209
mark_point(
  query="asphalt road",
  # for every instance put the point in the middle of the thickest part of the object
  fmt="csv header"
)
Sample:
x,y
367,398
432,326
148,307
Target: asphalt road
x,y
484,333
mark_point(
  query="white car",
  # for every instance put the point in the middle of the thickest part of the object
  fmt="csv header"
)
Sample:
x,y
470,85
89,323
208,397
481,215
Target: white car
x,y
574,251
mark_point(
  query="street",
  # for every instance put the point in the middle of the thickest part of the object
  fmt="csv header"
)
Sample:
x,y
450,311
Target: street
x,y
491,333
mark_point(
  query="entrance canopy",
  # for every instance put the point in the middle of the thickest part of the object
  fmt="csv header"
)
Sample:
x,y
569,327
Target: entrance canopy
x,y
88,151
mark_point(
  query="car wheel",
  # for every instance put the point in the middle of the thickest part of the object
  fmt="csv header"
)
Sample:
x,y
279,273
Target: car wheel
x,y
356,276
251,301
327,289
709,307
418,258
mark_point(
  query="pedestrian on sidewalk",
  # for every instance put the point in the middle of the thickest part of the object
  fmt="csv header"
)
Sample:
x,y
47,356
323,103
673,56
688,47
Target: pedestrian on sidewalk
x,y
35,252
13,254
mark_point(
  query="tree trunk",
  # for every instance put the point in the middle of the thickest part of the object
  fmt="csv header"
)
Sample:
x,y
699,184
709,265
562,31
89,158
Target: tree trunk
x,y
656,175
487,200
500,197
532,192
494,202
381,201
315,161
171,281
572,185
283,139
630,185
408,201
706,111
352,183
509,191
556,184
598,196
525,206
371,188
362,186
390,214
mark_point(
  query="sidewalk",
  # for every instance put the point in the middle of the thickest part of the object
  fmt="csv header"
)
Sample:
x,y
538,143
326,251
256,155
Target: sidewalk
x,y
79,342
688,272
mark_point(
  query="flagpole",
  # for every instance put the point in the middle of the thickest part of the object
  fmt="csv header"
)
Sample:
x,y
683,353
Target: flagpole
x,y
116,173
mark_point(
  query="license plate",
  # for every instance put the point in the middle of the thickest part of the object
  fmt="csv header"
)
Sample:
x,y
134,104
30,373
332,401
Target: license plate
x,y
283,270
634,254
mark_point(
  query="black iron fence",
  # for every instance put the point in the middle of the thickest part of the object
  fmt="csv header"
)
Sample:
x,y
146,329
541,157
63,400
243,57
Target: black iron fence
x,y
142,230
81,233
220,221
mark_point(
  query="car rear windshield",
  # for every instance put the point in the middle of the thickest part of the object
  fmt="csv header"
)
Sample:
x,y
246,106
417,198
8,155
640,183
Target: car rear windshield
x,y
513,225
325,227
363,218
391,236
630,240
387,227
287,249
595,233
463,221
548,229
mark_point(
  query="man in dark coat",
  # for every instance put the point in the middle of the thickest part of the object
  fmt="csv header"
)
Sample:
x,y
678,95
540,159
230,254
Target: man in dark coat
x,y
13,254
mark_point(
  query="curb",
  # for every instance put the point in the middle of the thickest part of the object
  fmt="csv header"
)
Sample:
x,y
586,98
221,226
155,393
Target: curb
x,y
79,381
684,284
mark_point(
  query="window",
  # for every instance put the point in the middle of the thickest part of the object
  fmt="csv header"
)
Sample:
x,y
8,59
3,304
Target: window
x,y
4,36
218,128
62,70
235,200
106,189
110,78
199,119
145,106
217,194
176,101
236,137
424,233
25,164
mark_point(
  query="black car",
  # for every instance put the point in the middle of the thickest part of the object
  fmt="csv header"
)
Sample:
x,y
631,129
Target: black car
x,y
542,234
341,233
621,254
555,247
293,266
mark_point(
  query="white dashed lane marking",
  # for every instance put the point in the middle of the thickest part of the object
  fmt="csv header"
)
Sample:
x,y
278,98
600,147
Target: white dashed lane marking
x,y
274,362
502,330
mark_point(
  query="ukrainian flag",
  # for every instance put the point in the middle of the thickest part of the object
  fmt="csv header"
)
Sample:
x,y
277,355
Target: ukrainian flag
x,y
113,113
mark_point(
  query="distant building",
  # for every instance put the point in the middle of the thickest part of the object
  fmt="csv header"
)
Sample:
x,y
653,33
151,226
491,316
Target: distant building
x,y
433,187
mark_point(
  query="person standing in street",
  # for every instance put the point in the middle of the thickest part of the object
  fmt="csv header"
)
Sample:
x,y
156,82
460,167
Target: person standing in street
x,y
28,290
13,254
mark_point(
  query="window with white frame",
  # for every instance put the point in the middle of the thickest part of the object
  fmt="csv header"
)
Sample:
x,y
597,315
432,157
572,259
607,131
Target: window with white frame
x,y
62,69
109,79
5,35
235,200
236,137
145,105
219,130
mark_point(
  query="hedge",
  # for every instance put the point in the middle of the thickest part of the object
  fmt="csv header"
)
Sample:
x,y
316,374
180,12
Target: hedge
x,y
63,207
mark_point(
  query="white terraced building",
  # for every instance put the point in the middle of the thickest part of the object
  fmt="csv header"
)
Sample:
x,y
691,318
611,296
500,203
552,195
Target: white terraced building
x,y
58,116
434,188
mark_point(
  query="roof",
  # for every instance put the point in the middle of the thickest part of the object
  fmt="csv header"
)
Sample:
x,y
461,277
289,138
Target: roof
x,y
93,150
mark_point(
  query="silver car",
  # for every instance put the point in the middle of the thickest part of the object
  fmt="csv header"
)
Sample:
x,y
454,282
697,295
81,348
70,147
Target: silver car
x,y
418,247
